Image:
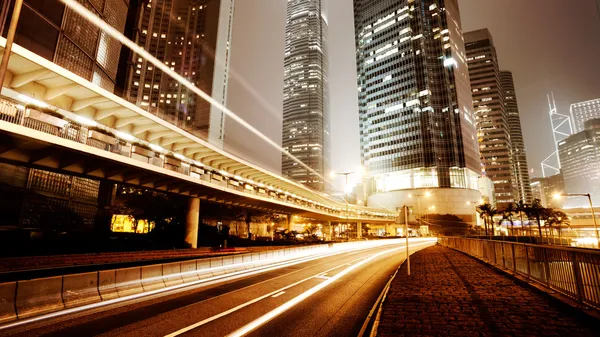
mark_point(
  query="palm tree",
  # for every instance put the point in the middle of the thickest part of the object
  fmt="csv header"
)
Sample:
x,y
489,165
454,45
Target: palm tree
x,y
537,211
557,219
484,211
507,214
521,208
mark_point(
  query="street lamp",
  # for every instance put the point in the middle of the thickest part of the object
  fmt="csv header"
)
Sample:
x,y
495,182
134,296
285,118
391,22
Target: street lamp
x,y
559,195
346,174
476,203
427,195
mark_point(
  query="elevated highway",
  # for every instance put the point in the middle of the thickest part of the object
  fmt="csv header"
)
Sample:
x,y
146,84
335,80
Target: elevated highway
x,y
55,120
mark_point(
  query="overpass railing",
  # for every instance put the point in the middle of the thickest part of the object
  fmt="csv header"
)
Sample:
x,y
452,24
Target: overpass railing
x,y
73,127
573,272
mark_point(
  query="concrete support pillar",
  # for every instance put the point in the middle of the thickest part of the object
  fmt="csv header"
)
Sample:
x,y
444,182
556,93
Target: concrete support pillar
x,y
359,230
191,222
330,230
106,195
387,229
289,222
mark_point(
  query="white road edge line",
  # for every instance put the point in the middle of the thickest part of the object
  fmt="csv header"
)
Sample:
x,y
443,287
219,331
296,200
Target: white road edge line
x,y
277,295
243,305
296,300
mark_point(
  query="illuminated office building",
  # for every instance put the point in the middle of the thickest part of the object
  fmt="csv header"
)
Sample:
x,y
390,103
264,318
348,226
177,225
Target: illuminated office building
x,y
305,131
417,126
521,171
581,112
492,119
580,164
193,38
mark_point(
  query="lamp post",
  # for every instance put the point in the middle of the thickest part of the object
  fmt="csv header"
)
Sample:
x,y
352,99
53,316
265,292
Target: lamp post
x,y
345,174
427,194
476,203
556,196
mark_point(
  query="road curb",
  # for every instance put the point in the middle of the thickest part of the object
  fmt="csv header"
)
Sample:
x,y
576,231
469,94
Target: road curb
x,y
378,307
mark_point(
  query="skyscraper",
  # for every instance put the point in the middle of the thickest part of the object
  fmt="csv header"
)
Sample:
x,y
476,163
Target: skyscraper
x,y
581,112
417,127
521,171
580,164
305,93
492,119
193,38
62,36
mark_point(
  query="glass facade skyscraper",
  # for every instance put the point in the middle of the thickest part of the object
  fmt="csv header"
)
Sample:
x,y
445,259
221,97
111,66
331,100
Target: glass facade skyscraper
x,y
521,171
305,131
492,118
193,38
417,126
580,164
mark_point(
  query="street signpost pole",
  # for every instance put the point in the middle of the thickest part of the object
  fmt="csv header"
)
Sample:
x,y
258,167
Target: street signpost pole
x,y
405,209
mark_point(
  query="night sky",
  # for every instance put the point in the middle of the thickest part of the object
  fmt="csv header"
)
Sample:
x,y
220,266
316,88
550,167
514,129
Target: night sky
x,y
549,45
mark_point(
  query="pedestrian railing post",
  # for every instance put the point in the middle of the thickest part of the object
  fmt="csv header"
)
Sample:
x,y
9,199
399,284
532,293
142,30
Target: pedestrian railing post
x,y
578,278
546,267
527,258
514,258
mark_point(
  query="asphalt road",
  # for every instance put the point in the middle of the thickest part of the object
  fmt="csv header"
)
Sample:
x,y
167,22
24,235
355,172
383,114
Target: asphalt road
x,y
327,296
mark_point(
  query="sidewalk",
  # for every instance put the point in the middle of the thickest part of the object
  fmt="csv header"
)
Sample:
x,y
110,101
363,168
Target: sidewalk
x,y
452,294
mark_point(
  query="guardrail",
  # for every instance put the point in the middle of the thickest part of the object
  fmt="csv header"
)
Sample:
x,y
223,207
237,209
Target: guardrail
x,y
29,298
70,126
572,272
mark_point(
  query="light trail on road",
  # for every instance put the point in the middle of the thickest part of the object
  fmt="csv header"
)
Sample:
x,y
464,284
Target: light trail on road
x,y
296,300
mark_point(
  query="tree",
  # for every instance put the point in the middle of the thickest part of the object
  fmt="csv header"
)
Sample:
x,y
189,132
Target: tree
x,y
537,211
556,219
507,214
521,208
487,211
482,209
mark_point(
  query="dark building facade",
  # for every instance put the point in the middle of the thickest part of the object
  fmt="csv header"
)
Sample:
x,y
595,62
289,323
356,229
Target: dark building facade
x,y
305,131
34,199
60,35
417,126
193,38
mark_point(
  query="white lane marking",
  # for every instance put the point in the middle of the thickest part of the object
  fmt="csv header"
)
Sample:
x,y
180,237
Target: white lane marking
x,y
277,295
291,303
243,305
323,277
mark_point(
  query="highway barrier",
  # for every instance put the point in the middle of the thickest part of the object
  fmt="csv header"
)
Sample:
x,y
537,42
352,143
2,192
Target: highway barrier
x,y
28,298
8,292
39,296
573,272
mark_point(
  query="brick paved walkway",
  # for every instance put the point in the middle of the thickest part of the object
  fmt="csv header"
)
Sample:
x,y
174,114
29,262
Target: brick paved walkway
x,y
451,294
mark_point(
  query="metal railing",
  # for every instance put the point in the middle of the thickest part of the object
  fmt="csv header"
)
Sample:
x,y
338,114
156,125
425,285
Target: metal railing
x,y
572,272
104,138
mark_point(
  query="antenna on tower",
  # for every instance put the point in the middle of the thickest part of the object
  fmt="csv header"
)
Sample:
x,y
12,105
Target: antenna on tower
x,y
561,129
